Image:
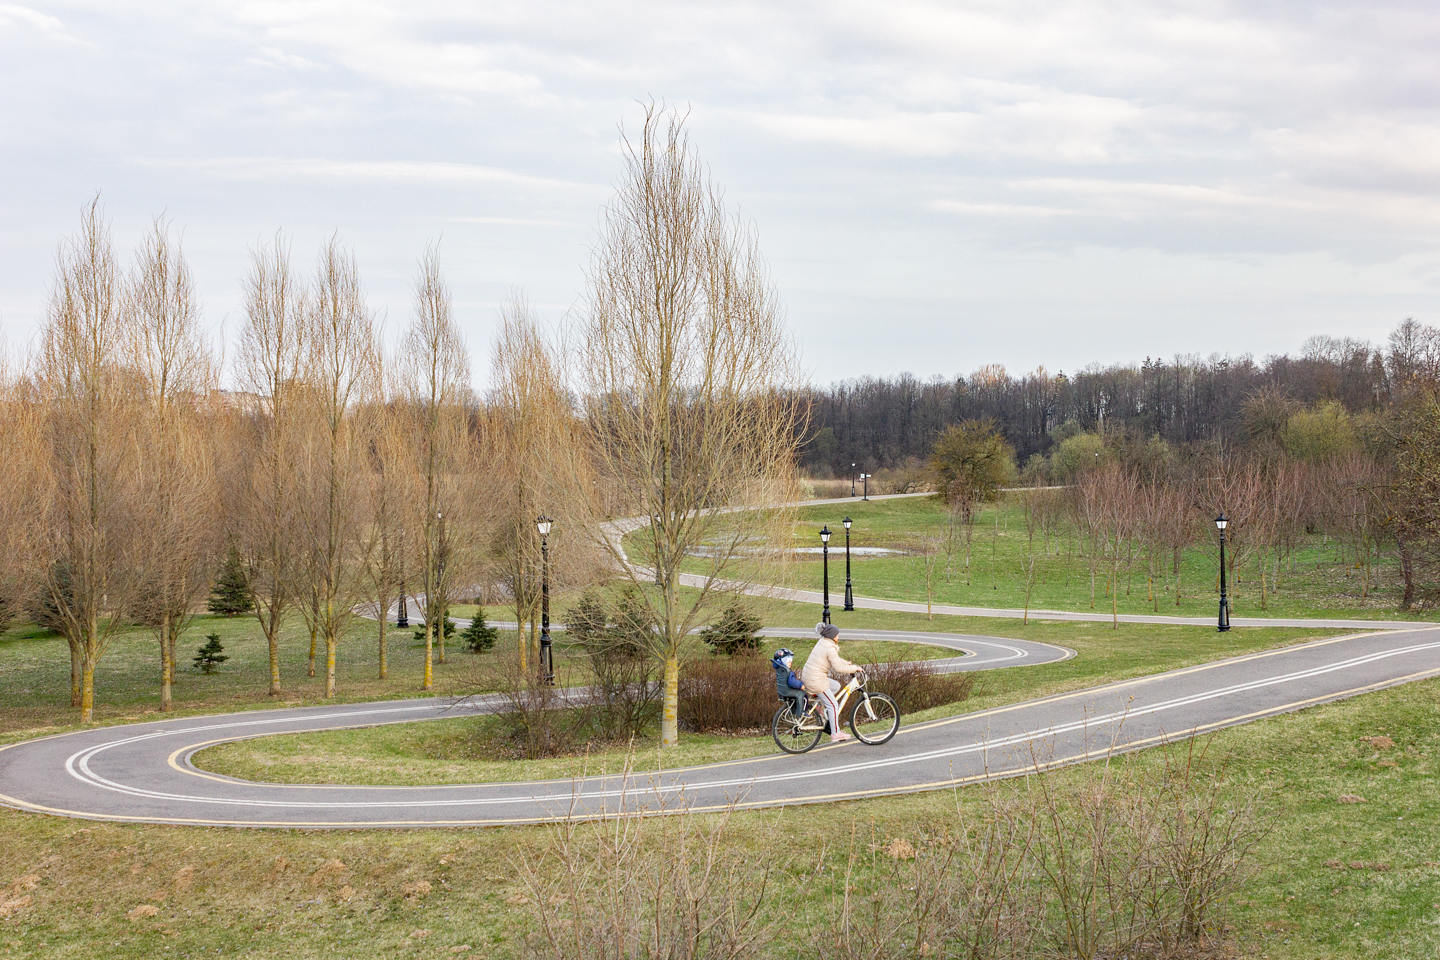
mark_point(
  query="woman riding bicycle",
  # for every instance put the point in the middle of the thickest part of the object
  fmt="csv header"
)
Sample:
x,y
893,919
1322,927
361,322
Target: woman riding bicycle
x,y
824,661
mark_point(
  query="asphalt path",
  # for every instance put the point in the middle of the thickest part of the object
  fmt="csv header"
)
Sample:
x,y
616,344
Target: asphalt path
x,y
143,772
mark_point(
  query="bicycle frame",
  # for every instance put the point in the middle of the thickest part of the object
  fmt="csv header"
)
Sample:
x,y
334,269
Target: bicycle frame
x,y
853,686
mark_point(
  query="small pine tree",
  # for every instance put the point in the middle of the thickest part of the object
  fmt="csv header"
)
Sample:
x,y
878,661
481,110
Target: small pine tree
x,y
231,595
211,654
448,627
479,636
587,621
734,632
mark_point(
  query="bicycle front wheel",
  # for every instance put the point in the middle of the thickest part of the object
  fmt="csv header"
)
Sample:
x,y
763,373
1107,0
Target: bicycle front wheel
x,y
790,734
875,719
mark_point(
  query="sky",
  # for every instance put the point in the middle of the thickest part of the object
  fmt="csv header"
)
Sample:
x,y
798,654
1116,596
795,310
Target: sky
x,y
936,186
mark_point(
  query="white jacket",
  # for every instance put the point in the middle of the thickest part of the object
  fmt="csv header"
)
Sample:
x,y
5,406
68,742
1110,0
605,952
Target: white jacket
x,y
823,661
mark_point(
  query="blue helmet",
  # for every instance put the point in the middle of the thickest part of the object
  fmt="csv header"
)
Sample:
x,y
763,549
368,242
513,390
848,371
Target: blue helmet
x,y
782,653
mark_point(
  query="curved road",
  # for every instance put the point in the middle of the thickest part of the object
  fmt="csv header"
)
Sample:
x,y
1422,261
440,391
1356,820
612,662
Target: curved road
x,y
142,772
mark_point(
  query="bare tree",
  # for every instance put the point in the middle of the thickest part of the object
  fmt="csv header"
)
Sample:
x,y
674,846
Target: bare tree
x,y
339,376
529,427
178,502
90,524
26,491
437,375
272,347
391,490
686,361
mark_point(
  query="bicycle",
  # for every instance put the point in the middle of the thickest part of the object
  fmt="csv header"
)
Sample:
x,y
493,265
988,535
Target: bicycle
x,y
874,720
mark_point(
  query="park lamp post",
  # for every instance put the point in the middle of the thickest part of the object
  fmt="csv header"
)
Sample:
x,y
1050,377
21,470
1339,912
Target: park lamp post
x,y
825,565
1224,622
402,616
865,480
852,479
547,659
849,593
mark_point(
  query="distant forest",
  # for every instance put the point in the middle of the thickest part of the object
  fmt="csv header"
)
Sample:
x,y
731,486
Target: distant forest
x,y
878,423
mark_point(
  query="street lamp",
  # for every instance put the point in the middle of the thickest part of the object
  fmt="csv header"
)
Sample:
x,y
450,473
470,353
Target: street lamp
x,y
825,561
547,658
852,479
402,617
865,480
849,594
1224,622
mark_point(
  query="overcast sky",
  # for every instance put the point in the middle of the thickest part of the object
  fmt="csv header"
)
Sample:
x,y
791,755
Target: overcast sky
x,y
936,185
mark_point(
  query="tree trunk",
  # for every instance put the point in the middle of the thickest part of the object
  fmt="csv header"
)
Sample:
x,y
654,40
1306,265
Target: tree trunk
x,y
521,644
1114,600
428,683
329,666
272,640
310,668
167,668
384,670
670,707
87,689
75,672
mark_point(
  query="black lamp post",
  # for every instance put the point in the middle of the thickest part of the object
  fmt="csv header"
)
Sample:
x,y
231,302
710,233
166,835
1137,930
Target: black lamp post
x,y
825,562
1224,622
547,659
402,618
439,621
849,594
865,481
852,479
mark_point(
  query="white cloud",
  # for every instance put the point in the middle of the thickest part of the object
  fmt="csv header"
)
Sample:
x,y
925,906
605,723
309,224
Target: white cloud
x,y
12,14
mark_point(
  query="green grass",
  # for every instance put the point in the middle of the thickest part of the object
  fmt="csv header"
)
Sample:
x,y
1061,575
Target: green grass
x,y
1351,881
1317,581
453,751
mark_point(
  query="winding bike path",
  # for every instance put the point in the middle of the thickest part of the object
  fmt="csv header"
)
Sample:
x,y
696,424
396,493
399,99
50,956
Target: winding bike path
x,y
143,772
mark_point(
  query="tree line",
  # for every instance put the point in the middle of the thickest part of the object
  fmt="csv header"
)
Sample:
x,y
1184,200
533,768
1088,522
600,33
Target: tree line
x,y
343,475
880,423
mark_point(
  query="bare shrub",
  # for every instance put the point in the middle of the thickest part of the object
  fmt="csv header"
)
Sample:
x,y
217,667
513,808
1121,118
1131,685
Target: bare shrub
x,y
597,890
1141,862
731,693
966,892
537,720
916,685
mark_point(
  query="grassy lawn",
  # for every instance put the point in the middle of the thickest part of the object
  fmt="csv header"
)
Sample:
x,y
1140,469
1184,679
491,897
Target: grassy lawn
x,y
452,751
1335,879
1317,581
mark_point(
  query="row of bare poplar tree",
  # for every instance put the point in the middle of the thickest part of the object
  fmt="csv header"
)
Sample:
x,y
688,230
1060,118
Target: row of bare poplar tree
x,y
340,475
344,476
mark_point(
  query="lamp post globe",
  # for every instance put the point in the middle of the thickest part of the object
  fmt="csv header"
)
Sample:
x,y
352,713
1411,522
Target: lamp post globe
x,y
825,566
1223,623
547,662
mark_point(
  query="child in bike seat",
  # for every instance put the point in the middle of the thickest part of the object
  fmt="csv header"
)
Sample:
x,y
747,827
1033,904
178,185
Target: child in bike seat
x,y
787,685
823,661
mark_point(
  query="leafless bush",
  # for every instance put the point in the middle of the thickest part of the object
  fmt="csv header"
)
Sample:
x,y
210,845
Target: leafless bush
x,y
1141,863
916,685
537,719
727,693
965,893
597,891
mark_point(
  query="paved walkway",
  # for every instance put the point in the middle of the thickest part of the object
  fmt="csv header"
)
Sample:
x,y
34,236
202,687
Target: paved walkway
x,y
143,772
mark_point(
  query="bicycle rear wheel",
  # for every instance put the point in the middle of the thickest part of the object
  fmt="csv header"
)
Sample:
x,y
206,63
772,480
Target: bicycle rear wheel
x,y
789,734
875,719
